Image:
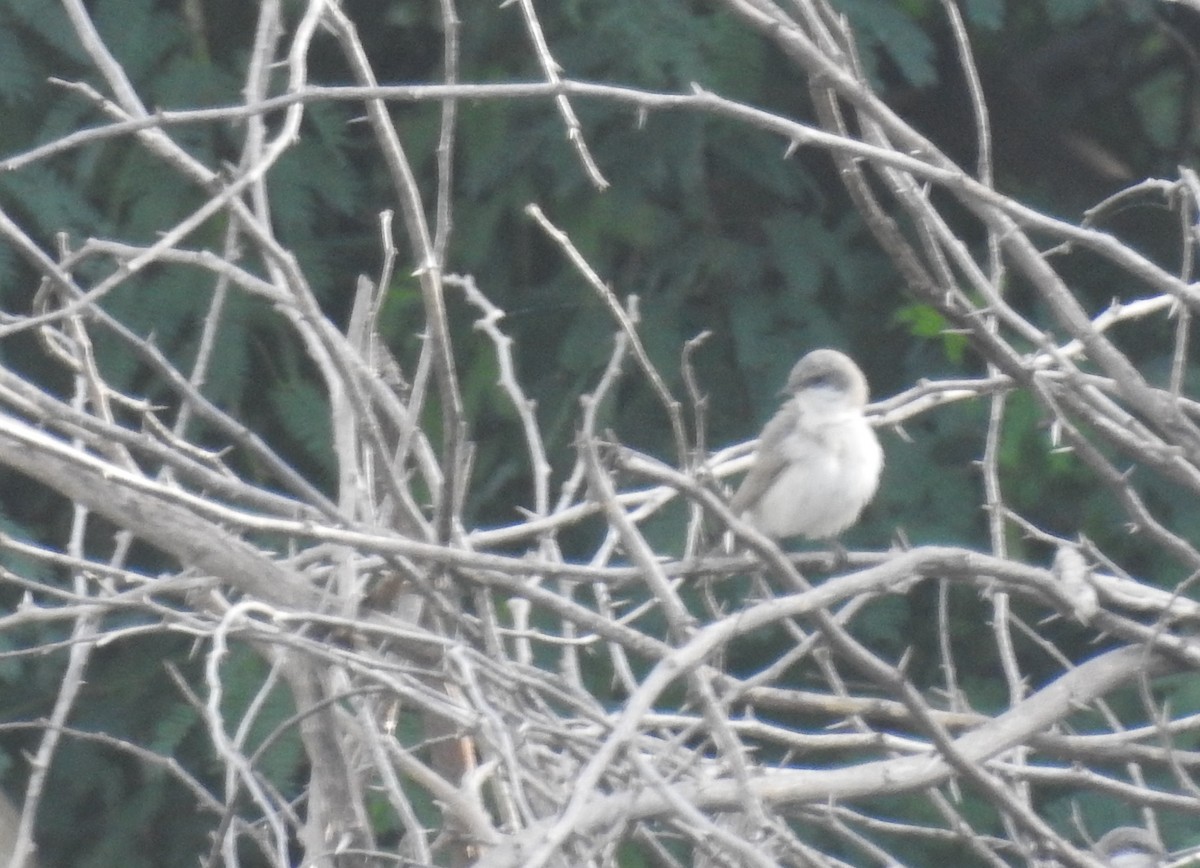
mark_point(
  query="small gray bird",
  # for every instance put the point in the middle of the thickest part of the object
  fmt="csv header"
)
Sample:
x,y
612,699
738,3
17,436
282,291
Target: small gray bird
x,y
818,460
1130,847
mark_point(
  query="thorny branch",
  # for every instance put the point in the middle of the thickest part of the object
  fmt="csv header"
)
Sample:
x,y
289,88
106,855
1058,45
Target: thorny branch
x,y
356,601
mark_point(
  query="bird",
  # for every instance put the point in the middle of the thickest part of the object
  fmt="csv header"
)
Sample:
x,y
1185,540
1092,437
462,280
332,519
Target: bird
x,y
1130,847
818,460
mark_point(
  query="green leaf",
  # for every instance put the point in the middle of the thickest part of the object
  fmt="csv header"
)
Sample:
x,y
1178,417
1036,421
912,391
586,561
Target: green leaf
x,y
226,379
137,34
1159,103
1070,11
985,14
735,58
886,621
243,675
18,78
49,22
50,201
925,321
303,411
8,265
752,326
172,724
795,241
886,28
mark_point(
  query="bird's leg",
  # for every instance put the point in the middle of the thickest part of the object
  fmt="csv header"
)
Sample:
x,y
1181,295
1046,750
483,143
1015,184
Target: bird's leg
x,y
839,557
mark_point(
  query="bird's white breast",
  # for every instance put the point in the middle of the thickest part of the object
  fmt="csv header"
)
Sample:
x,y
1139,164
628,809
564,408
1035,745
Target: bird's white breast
x,y
832,473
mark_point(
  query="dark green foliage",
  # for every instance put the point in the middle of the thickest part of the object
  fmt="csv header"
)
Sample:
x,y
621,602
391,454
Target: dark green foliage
x,y
107,806
271,737
297,406
16,69
48,201
706,222
888,31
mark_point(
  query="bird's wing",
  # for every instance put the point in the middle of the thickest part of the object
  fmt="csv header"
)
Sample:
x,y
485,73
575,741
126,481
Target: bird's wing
x,y
769,460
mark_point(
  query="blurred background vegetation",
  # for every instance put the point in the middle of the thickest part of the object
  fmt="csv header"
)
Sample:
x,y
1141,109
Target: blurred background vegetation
x,y
705,221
